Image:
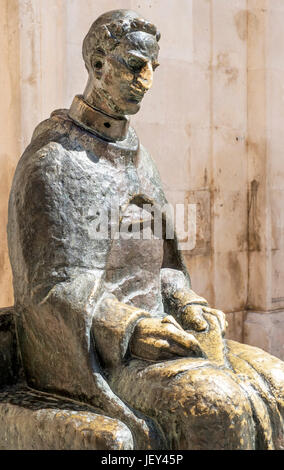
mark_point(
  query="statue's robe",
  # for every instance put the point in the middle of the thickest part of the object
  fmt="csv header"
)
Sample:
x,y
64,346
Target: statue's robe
x,y
74,339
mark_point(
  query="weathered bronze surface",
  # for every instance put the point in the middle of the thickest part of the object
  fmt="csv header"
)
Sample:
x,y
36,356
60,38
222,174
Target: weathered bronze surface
x,y
30,420
113,322
9,354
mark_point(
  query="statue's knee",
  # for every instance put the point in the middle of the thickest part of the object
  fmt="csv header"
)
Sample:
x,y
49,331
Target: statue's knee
x,y
210,410
268,367
213,392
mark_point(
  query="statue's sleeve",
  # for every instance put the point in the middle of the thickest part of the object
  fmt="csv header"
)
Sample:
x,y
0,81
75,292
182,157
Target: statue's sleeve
x,y
176,291
113,325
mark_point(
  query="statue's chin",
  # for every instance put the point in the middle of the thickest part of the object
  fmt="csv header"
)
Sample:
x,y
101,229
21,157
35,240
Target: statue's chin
x,y
132,108
126,106
123,108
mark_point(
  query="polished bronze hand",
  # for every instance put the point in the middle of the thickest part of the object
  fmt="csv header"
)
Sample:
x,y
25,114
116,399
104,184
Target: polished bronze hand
x,y
192,318
157,339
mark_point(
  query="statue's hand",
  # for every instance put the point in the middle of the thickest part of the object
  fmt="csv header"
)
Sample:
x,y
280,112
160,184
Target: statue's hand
x,y
192,318
157,339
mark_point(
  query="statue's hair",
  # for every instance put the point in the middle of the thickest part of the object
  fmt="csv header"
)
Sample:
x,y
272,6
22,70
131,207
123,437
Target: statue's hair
x,y
107,31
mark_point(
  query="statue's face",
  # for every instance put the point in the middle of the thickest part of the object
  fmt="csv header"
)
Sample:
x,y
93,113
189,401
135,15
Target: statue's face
x,y
127,72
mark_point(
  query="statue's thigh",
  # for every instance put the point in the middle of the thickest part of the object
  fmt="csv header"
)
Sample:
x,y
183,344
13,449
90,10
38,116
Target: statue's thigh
x,y
197,405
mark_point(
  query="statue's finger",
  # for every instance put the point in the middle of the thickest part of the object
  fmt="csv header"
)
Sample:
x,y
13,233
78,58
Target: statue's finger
x,y
178,335
222,319
190,348
219,315
151,349
170,319
193,319
155,349
183,342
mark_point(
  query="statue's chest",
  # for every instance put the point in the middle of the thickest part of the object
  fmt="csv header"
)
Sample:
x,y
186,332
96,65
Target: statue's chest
x,y
135,259
119,208
117,181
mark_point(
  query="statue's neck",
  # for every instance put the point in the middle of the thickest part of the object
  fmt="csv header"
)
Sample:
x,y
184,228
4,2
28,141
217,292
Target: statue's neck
x,y
98,122
96,98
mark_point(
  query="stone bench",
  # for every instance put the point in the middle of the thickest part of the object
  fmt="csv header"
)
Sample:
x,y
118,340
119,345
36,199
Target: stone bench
x,y
31,420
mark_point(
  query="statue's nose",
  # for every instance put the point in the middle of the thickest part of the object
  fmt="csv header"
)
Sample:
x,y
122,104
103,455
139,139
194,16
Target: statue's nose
x,y
146,76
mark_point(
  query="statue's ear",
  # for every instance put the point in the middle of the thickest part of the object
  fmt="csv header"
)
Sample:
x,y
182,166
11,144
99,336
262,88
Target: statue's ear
x,y
97,63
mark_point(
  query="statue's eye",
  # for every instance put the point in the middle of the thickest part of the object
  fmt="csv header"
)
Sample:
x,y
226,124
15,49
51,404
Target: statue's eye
x,y
98,64
135,63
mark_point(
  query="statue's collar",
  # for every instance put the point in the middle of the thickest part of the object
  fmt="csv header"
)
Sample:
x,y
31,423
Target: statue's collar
x,y
97,122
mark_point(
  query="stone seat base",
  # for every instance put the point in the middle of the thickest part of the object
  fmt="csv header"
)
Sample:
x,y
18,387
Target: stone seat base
x,y
30,420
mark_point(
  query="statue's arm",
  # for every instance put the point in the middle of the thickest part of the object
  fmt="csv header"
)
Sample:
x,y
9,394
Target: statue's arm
x,y
122,331
113,325
117,330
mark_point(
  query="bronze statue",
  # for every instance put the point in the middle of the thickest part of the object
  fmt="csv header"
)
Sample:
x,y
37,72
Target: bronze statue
x,y
113,321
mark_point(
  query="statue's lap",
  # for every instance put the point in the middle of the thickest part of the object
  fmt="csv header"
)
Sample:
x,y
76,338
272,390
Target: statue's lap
x,y
199,394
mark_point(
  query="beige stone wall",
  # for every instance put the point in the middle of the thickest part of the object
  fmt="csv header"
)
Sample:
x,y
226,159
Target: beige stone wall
x,y
212,121
10,128
264,325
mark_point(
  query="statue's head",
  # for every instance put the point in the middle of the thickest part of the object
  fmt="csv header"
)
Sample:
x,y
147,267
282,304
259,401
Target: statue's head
x,y
120,53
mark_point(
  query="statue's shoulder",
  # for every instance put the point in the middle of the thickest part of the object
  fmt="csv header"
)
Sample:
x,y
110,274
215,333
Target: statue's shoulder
x,y
52,145
47,139
62,155
55,123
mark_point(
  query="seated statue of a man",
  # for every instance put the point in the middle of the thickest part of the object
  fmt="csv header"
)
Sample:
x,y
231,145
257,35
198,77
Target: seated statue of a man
x,y
111,320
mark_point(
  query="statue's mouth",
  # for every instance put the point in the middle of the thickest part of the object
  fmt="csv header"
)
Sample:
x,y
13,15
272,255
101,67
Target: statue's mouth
x,y
136,94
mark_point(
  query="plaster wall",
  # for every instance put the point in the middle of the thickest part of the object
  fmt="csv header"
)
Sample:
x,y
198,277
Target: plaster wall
x,y
10,129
